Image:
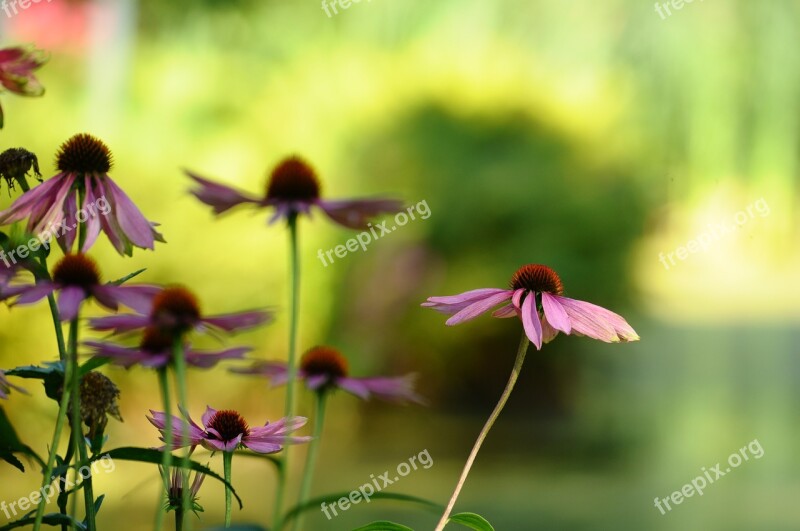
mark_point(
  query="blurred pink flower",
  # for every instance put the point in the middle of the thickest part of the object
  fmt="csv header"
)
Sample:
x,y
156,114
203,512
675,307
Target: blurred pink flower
x,y
325,368
83,162
536,297
293,189
6,386
76,278
226,430
16,72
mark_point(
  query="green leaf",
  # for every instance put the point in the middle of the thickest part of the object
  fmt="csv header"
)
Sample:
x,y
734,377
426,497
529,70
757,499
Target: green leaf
x,y
92,364
265,457
10,444
471,520
154,457
52,375
315,503
54,519
126,278
384,525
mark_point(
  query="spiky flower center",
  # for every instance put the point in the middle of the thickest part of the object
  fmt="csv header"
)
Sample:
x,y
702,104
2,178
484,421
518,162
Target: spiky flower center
x,y
229,424
176,309
538,278
155,341
77,270
98,401
84,153
325,361
293,180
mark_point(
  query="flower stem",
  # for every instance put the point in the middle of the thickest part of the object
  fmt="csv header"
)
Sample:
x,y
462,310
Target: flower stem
x,y
51,459
77,431
227,458
51,300
294,303
313,452
178,519
523,349
166,460
180,378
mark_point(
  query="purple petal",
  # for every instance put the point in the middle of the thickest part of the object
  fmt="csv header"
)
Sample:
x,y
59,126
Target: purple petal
x,y
316,381
530,320
120,323
506,311
69,302
455,303
92,224
393,389
67,239
109,223
206,360
194,436
597,322
555,314
548,332
356,213
262,447
476,308
218,196
206,418
29,294
277,372
132,222
138,298
24,205
238,321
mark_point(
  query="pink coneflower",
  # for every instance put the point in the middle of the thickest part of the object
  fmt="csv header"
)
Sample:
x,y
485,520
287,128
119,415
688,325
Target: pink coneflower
x,y
156,349
76,278
292,189
6,386
536,297
226,431
175,310
324,368
52,207
16,72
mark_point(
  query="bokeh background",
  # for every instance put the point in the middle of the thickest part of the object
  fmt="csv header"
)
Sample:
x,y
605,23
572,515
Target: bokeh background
x,y
588,135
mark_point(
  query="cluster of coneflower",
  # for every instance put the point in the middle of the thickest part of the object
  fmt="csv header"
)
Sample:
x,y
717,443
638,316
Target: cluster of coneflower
x,y
151,326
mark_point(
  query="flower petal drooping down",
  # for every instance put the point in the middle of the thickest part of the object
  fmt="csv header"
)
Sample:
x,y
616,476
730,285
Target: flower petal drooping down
x,y
536,297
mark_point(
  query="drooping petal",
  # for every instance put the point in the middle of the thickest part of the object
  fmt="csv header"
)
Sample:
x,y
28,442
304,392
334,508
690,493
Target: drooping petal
x,y
356,213
597,322
506,311
480,306
194,436
29,294
206,360
132,222
316,381
555,314
138,298
262,447
393,389
218,196
110,225
277,372
126,356
530,320
238,321
207,415
69,302
67,238
24,205
548,332
120,323
455,303
91,213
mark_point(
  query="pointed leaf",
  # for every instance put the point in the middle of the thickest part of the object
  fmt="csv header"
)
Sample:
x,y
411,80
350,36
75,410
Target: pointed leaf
x,y
384,525
315,503
471,520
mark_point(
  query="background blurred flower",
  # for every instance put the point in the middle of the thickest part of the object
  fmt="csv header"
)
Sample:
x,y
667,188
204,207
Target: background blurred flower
x,y
16,72
292,189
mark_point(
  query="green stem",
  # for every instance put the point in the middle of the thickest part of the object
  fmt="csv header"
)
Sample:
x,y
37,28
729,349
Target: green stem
x,y
63,496
178,519
313,453
51,300
51,459
227,459
294,304
166,460
179,362
23,184
523,349
77,431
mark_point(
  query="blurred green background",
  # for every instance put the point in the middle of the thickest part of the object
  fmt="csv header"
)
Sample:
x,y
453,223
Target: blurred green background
x,y
587,135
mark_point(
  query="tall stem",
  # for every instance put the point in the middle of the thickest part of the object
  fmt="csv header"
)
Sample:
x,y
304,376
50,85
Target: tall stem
x,y
313,452
77,431
227,458
51,300
523,349
179,362
294,303
166,459
51,459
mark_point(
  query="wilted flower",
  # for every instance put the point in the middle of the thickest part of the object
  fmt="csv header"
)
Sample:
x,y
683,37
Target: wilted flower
x,y
83,162
175,491
323,368
6,386
536,297
293,189
176,311
77,278
155,350
15,163
98,402
226,430
16,72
